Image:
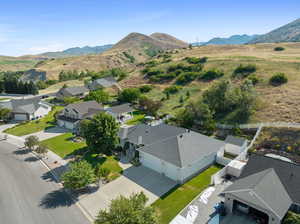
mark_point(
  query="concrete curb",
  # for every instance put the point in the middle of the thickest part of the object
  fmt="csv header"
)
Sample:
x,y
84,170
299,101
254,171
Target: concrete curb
x,y
76,202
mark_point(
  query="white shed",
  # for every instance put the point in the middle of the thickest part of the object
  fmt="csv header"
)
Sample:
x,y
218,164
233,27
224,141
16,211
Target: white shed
x,y
235,167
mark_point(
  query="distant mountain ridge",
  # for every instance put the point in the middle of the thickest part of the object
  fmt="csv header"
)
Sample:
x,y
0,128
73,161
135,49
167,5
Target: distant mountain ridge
x,y
77,51
232,40
287,33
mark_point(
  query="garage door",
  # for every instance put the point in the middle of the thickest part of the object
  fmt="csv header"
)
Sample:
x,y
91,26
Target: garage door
x,y
60,123
20,117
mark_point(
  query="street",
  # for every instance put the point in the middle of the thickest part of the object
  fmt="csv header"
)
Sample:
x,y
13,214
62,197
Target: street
x,y
28,193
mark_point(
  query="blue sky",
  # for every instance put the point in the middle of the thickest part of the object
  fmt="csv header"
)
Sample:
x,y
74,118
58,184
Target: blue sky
x,y
35,26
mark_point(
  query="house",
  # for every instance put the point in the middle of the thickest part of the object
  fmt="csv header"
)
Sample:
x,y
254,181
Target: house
x,y
26,109
175,152
72,114
77,91
104,82
268,187
121,112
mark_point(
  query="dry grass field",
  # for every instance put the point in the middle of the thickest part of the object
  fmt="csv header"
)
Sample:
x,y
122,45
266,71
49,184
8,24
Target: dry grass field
x,y
281,103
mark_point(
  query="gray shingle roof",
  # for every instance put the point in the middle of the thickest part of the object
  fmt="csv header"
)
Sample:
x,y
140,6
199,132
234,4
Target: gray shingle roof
x,y
263,189
85,108
120,109
103,82
235,140
151,134
73,91
29,105
288,173
183,149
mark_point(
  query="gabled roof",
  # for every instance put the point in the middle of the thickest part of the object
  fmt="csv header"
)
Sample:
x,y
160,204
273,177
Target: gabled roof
x,y
150,134
120,109
106,81
29,105
183,149
85,108
73,91
264,190
288,173
235,140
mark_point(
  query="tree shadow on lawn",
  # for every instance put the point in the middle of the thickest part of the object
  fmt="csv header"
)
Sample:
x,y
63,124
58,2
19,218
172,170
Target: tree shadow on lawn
x,y
55,199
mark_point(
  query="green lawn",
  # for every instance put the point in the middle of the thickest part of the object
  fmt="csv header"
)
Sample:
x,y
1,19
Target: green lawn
x,y
174,201
62,146
138,118
2,99
30,127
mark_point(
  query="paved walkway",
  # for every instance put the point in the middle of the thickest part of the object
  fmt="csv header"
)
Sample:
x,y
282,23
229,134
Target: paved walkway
x,y
48,133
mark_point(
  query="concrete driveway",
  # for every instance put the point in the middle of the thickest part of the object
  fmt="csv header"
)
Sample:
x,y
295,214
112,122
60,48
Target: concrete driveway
x,y
49,133
133,180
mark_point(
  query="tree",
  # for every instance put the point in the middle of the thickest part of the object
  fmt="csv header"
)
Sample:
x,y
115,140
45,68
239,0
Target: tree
x,y
4,113
41,150
98,95
102,172
197,115
129,95
128,211
291,218
150,106
79,175
101,132
31,142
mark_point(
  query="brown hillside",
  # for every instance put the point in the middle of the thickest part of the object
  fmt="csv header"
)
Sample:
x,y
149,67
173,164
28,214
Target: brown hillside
x,y
168,39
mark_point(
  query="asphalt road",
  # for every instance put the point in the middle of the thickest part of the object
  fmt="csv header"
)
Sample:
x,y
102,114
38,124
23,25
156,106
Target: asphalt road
x,y
29,195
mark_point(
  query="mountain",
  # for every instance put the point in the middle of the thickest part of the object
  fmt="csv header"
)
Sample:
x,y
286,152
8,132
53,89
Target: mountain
x,y
77,51
232,40
129,51
286,33
141,46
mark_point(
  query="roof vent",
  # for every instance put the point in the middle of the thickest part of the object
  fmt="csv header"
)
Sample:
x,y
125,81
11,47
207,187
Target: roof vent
x,y
180,136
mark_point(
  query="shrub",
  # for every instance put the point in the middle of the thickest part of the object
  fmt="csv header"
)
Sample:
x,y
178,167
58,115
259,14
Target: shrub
x,y
146,88
129,95
253,78
186,78
243,71
211,75
278,79
130,57
171,89
194,60
279,49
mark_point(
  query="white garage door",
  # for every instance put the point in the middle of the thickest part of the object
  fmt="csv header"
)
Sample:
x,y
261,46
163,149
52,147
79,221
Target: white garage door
x,y
159,166
20,117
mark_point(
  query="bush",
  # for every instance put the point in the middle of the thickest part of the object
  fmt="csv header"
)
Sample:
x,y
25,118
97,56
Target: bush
x,y
146,88
279,49
129,95
211,75
172,89
278,79
243,71
186,78
130,57
194,60
253,78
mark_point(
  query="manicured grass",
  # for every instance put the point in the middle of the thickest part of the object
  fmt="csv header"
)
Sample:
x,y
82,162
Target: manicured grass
x,y
62,146
34,126
175,200
138,118
2,99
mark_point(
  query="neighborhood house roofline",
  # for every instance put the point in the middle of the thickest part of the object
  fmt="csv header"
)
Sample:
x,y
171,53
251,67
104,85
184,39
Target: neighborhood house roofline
x,y
184,149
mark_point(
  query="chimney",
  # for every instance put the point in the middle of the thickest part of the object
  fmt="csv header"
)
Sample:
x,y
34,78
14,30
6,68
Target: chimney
x,y
140,140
